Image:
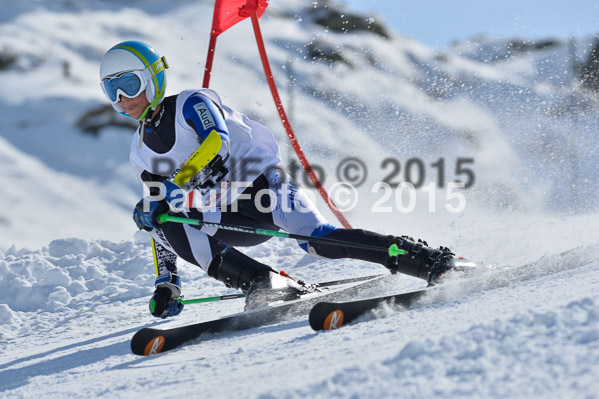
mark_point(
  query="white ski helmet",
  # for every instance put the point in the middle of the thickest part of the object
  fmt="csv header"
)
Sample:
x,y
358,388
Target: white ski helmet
x,y
128,69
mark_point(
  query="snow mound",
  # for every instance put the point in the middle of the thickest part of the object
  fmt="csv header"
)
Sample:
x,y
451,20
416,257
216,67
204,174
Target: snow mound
x,y
71,272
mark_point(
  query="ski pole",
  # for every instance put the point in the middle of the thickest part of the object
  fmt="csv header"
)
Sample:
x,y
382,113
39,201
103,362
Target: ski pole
x,y
242,295
393,250
212,298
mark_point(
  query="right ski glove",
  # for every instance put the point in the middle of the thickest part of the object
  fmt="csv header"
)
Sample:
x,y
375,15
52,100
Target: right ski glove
x,y
165,301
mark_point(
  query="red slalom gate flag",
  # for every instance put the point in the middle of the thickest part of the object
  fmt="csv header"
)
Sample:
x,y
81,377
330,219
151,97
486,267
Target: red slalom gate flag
x,y
228,12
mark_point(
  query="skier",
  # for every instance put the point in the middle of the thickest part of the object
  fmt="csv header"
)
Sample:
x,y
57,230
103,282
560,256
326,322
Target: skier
x,y
192,145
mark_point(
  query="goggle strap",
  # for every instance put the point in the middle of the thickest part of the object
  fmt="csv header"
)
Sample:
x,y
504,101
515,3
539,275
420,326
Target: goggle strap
x,y
158,66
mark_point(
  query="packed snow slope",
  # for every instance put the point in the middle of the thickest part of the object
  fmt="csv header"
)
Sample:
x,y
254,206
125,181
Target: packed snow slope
x,y
506,116
69,310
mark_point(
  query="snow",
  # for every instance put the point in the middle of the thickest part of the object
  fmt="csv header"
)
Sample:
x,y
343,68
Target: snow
x,y
76,277
68,332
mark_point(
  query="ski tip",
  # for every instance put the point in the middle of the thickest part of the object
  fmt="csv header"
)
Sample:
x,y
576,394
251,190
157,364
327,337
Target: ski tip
x,y
145,343
333,321
154,346
325,317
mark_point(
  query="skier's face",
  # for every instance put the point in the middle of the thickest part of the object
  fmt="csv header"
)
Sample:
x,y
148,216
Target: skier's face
x,y
134,107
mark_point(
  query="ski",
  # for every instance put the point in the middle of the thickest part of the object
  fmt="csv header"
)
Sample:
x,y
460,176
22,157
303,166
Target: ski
x,y
149,341
329,315
332,315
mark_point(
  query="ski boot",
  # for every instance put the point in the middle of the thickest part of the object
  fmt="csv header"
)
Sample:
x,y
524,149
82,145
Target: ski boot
x,y
421,261
261,283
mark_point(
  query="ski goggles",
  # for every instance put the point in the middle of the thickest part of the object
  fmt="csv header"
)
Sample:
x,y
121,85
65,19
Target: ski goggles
x,y
129,84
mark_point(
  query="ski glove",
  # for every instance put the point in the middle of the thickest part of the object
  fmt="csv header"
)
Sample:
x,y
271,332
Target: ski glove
x,y
147,209
165,301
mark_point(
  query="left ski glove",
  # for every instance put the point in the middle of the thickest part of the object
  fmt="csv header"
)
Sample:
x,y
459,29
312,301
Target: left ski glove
x,y
147,209
165,301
